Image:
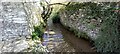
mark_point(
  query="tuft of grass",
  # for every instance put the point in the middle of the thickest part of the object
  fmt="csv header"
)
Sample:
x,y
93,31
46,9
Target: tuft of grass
x,y
38,32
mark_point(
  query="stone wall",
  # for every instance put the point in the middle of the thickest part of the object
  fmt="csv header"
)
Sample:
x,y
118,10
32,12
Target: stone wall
x,y
98,21
13,27
74,20
33,11
16,25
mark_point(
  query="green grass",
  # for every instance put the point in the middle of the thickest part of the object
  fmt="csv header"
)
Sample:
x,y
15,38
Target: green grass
x,y
38,32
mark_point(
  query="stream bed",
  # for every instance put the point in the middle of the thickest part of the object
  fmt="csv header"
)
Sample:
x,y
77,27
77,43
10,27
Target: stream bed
x,y
58,39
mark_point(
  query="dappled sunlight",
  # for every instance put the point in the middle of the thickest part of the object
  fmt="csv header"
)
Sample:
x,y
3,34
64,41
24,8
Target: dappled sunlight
x,y
49,32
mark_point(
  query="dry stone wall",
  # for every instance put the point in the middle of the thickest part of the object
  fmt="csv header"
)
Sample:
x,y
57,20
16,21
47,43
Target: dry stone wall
x,y
16,25
14,29
74,20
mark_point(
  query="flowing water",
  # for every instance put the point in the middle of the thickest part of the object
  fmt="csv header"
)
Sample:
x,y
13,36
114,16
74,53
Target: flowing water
x,y
58,39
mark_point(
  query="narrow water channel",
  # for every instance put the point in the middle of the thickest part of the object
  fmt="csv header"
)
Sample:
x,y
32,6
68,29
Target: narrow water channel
x,y
58,39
